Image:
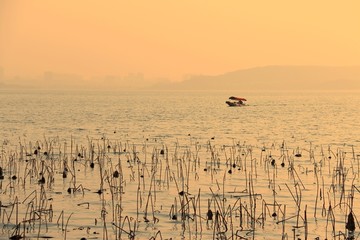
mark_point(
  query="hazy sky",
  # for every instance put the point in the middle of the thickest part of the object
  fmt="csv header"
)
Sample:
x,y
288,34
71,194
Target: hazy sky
x,y
173,38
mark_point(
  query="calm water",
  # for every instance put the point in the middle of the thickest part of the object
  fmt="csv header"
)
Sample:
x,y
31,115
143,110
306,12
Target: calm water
x,y
324,118
202,139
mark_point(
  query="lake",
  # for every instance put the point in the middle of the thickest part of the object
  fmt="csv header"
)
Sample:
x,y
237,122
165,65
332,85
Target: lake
x,y
179,165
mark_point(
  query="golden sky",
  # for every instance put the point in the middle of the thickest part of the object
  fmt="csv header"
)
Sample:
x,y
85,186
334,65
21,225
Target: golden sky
x,y
174,38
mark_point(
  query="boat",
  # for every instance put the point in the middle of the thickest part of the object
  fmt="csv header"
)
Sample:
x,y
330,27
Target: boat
x,y
236,101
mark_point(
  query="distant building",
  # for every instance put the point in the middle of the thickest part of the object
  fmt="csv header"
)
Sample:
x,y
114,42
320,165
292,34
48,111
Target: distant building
x,y
134,79
48,76
53,79
2,77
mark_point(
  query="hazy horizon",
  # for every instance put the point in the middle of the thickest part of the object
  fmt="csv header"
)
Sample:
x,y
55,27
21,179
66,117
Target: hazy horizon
x,y
283,78
155,41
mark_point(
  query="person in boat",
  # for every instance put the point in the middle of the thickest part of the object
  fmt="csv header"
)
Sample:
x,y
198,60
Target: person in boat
x,y
240,102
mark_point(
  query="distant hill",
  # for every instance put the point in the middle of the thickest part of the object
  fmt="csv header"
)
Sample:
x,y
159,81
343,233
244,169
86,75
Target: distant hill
x,y
276,78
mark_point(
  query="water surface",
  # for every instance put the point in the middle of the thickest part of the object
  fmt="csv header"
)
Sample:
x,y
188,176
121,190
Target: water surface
x,y
202,139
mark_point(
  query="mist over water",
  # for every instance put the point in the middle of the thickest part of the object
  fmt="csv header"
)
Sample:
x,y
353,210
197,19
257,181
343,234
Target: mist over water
x,y
133,128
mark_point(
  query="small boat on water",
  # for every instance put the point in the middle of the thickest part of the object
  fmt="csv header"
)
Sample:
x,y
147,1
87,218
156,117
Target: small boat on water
x,y
236,101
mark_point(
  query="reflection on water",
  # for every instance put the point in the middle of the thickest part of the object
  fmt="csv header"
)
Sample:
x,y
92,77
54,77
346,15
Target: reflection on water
x,y
317,117
114,190
180,165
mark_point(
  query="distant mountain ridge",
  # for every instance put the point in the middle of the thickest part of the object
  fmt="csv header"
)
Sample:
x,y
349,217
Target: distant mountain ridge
x,y
267,78
277,78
